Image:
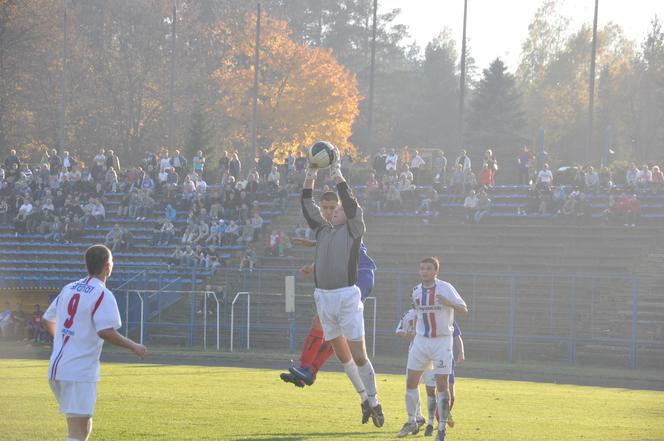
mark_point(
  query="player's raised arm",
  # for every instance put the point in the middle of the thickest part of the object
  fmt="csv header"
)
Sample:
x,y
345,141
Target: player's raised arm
x,y
354,213
310,210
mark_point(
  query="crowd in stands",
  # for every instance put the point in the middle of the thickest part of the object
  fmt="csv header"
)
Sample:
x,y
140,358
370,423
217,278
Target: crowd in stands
x,y
61,196
17,325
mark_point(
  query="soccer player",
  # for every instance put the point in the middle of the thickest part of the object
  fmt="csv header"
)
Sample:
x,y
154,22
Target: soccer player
x,y
406,330
81,318
436,302
315,350
337,297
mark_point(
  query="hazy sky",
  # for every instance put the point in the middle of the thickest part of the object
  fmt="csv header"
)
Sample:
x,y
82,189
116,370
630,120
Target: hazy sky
x,y
496,28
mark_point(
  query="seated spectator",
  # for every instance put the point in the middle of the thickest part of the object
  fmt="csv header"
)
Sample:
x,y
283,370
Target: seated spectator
x,y
429,198
56,230
273,179
232,233
4,211
469,181
483,206
127,239
217,230
393,199
25,211
74,229
111,180
568,210
458,179
257,225
249,259
166,232
114,237
559,197
35,331
470,206
284,243
123,208
190,233
272,248
175,258
203,231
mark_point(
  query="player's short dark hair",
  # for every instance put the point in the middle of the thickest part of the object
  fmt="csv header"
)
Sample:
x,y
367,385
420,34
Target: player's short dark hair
x,y
96,257
330,196
433,261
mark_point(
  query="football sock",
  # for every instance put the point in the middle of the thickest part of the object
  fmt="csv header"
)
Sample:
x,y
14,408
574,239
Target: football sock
x,y
311,347
412,403
354,376
369,379
443,409
324,353
431,408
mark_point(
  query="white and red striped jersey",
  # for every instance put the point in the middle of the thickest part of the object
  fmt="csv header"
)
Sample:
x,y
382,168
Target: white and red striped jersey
x,y
82,309
433,318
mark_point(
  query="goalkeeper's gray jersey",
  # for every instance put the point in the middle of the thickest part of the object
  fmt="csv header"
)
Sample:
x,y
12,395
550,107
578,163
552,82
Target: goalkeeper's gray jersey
x,y
337,247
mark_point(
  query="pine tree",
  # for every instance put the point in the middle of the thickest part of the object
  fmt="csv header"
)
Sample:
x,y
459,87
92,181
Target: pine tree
x,y
496,119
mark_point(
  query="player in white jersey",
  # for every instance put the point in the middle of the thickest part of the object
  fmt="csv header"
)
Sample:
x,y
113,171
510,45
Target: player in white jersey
x,y
436,302
81,318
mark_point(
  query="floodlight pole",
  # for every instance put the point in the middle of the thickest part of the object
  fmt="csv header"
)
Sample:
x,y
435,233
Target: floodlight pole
x,y
254,111
591,87
372,70
462,76
63,85
171,102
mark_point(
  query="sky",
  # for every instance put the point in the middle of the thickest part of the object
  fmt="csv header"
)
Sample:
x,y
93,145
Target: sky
x,y
496,28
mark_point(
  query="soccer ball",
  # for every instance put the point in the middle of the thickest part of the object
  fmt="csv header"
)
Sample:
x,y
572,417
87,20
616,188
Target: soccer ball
x,y
322,154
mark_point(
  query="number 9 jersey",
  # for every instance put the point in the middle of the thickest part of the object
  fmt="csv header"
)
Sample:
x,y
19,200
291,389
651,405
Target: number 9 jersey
x,y
80,311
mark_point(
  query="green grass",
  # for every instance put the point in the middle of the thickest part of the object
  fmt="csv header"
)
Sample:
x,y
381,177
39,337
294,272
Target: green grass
x,y
159,402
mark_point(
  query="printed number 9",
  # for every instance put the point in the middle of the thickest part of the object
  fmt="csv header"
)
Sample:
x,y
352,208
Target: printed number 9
x,y
71,310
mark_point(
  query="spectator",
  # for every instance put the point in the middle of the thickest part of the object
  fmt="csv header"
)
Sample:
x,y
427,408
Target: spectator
x,y
249,259
35,330
470,181
6,315
391,162
273,179
247,233
485,177
198,163
379,163
470,206
55,163
235,167
67,161
631,177
644,178
545,177
405,155
458,180
203,231
429,198
175,258
127,238
284,243
97,213
483,206
256,225
272,248
178,163
464,161
302,232
4,211
265,164
56,230
73,229
112,160
657,181
524,160
605,178
300,162
111,180
232,233
123,207
114,237
417,167
346,163
592,179
217,230
440,169
583,210
492,165
12,161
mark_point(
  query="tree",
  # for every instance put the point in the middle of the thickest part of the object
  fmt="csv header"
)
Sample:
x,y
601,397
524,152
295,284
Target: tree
x,y
199,135
496,119
305,94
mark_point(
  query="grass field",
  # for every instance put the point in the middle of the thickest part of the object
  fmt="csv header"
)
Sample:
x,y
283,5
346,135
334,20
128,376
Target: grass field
x,y
161,402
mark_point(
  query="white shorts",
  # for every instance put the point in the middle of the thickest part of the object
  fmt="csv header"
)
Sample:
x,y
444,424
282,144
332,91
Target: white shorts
x,y
434,353
76,399
341,312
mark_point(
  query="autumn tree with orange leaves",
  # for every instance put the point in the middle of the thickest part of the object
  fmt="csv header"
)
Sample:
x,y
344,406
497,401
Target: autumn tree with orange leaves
x,y
304,93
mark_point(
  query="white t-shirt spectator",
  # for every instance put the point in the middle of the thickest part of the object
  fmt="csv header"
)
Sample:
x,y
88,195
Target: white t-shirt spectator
x,y
470,202
100,160
80,311
164,164
25,209
391,162
417,162
545,176
201,186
